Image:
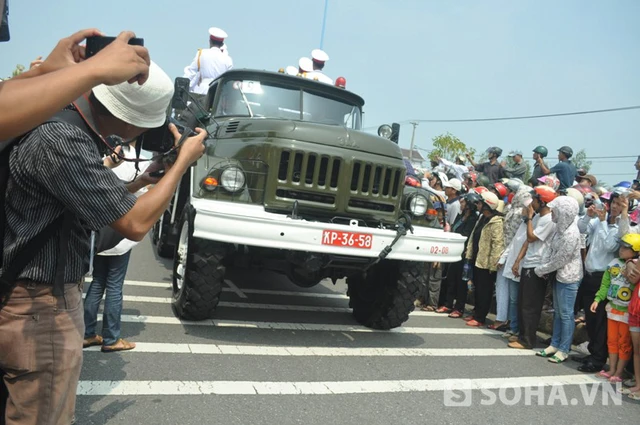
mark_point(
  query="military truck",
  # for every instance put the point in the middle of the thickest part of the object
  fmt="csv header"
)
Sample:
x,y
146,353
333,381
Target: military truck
x,y
289,182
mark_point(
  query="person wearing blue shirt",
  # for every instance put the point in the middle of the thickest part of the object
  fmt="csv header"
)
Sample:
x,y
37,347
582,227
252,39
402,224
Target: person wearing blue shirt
x,y
564,170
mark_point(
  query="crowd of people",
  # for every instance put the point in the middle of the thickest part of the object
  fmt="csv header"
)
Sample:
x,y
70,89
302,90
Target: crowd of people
x,y
557,242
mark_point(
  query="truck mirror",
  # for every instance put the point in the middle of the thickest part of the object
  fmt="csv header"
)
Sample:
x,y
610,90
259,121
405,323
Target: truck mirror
x,y
181,93
395,132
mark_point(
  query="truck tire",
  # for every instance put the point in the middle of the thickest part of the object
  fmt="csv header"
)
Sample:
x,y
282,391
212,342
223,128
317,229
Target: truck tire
x,y
159,238
198,273
384,297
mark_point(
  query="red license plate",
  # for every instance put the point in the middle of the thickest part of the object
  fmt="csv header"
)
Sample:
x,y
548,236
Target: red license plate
x,y
347,239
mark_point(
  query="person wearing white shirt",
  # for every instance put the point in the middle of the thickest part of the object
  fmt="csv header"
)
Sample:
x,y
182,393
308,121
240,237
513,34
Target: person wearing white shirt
x,y
602,237
458,168
210,63
109,270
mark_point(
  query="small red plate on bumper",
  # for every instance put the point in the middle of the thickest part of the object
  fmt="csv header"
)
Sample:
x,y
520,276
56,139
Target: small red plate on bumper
x,y
347,239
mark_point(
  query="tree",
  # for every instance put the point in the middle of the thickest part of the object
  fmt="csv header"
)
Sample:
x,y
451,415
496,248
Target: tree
x,y
19,69
449,147
580,160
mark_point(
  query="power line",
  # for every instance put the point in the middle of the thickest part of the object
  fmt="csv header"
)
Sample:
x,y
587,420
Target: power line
x,y
528,117
524,117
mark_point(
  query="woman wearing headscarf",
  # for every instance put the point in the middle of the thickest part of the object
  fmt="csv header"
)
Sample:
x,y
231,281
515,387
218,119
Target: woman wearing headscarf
x,y
562,257
512,221
456,287
484,249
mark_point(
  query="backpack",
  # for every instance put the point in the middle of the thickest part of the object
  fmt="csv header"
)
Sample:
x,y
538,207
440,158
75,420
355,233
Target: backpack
x,y
10,272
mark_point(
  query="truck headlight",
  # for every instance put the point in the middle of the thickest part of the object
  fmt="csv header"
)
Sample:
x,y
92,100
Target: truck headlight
x,y
385,131
418,205
232,179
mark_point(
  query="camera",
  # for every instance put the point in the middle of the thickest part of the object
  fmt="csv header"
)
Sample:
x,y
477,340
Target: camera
x,y
97,43
160,139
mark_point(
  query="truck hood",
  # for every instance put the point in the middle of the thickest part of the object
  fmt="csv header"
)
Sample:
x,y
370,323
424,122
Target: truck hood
x,y
328,135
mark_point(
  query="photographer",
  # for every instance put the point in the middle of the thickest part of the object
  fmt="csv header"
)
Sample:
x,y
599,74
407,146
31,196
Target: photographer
x,y
63,76
57,171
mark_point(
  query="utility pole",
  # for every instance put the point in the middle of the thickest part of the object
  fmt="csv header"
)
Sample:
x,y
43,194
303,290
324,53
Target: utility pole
x,y
413,135
324,23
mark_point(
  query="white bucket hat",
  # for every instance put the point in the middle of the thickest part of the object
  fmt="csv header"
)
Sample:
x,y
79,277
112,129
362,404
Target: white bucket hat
x,y
144,106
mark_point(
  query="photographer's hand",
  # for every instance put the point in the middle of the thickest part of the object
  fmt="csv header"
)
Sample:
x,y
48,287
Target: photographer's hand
x,y
120,61
66,53
192,148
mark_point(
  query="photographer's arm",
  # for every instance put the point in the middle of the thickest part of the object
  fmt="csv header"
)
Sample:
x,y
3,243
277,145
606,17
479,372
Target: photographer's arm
x,y
150,206
37,94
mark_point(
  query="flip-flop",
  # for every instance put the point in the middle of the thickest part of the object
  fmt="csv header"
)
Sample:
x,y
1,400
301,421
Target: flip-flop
x,y
455,315
120,345
603,374
615,379
635,396
93,341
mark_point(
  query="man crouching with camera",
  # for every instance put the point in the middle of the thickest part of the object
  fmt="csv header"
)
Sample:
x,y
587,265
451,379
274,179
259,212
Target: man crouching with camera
x,y
57,171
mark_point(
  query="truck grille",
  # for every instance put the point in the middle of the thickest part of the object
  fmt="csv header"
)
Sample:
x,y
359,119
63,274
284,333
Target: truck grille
x,y
310,169
364,186
368,179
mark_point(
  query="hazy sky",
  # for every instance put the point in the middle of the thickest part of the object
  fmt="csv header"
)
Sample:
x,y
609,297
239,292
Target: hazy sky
x,y
409,59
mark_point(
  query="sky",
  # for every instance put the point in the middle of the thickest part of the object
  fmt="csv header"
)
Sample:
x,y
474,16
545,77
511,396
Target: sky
x,y
409,59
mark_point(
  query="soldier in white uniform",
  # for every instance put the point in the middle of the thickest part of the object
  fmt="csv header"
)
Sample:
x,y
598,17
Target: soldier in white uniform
x,y
209,63
319,57
305,66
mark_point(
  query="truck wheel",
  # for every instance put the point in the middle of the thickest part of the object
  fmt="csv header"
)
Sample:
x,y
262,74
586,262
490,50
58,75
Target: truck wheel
x,y
384,297
198,273
159,238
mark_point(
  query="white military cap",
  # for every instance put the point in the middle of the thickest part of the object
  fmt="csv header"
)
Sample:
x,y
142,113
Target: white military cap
x,y
319,55
217,34
305,64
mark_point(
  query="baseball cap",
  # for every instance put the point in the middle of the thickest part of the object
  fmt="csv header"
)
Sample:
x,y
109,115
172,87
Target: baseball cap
x,y
514,153
454,184
143,106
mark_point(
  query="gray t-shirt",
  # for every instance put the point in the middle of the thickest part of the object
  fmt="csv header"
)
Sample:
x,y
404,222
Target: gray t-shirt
x,y
58,167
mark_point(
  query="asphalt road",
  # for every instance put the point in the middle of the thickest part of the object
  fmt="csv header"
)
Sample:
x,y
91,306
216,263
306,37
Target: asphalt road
x,y
279,354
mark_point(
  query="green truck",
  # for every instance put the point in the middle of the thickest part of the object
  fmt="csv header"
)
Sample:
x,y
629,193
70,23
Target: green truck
x,y
289,182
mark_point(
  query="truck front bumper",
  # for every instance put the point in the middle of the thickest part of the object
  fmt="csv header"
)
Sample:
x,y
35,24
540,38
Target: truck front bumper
x,y
250,225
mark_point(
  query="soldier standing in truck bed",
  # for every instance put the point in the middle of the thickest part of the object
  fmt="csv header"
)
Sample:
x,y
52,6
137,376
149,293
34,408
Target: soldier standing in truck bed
x,y
209,64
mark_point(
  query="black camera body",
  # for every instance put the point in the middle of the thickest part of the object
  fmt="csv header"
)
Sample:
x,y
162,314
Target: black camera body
x,y
4,22
97,43
160,139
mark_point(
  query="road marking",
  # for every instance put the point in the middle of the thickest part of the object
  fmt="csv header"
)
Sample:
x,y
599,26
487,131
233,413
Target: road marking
x,y
260,306
293,351
163,320
167,285
234,289
155,388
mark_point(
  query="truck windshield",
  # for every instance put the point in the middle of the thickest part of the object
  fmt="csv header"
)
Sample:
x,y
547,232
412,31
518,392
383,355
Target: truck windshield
x,y
266,100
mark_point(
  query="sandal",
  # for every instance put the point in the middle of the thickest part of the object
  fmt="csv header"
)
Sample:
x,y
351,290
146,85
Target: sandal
x,y
428,308
455,314
467,318
474,322
547,352
90,342
502,327
635,396
120,345
443,309
559,357
615,379
603,374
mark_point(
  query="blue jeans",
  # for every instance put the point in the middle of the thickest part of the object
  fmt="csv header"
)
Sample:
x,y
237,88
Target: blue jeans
x,y
502,297
514,287
564,298
108,274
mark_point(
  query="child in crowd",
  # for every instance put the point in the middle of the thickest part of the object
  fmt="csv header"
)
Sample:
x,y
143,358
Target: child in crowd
x,y
617,289
633,276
